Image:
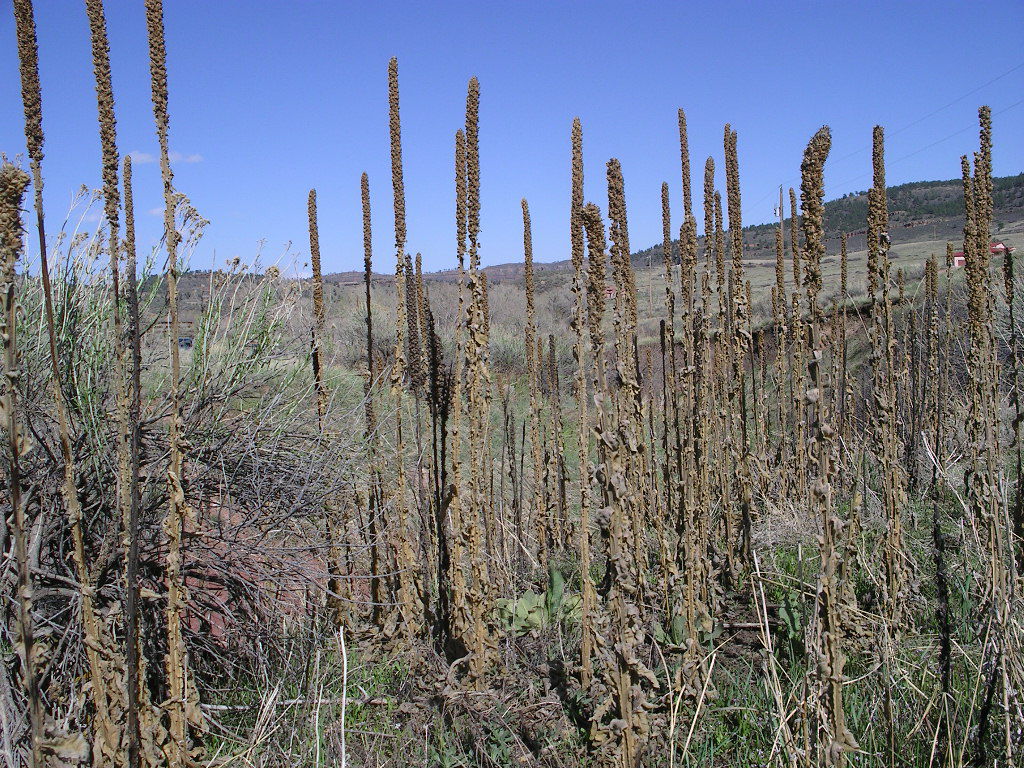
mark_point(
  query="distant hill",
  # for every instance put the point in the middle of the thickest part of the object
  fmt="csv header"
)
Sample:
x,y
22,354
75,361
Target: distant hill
x,y
935,205
920,210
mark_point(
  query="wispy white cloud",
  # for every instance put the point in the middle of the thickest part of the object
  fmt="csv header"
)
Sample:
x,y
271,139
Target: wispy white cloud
x,y
140,158
155,211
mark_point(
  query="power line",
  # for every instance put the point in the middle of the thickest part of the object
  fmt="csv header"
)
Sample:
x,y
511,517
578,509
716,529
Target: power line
x,y
935,143
918,121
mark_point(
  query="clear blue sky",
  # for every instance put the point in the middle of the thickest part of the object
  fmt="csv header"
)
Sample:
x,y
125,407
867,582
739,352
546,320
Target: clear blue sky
x,y
269,99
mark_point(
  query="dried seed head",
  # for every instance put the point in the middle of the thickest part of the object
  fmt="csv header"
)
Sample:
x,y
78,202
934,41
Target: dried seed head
x,y
709,210
397,180
732,184
371,418
794,241
158,67
531,328
843,266
129,214
485,310
618,231
13,182
319,316
473,169
28,57
878,214
158,88
314,257
597,254
666,234
576,204
812,195
460,197
780,252
684,152
983,169
719,241
417,371
364,188
105,105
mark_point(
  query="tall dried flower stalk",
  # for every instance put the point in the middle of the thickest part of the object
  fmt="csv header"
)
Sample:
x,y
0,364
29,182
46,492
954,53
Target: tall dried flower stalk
x,y
834,737
618,233
181,706
556,456
319,315
741,348
28,57
111,209
618,441
138,710
625,318
1013,364
720,283
885,435
454,605
709,212
480,643
588,597
983,475
541,523
670,389
373,491
841,311
413,309
780,311
794,241
402,536
13,182
796,358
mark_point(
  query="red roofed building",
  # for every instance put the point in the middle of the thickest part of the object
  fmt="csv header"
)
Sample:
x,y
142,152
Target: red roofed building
x,y
995,248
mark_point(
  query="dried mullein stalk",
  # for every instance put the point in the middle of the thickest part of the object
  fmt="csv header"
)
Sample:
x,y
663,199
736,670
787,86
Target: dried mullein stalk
x,y
841,331
138,701
794,241
414,347
709,212
479,641
834,738
618,234
620,720
625,320
541,523
579,322
111,209
32,102
556,456
13,182
182,706
404,565
739,313
886,438
319,315
373,491
983,476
